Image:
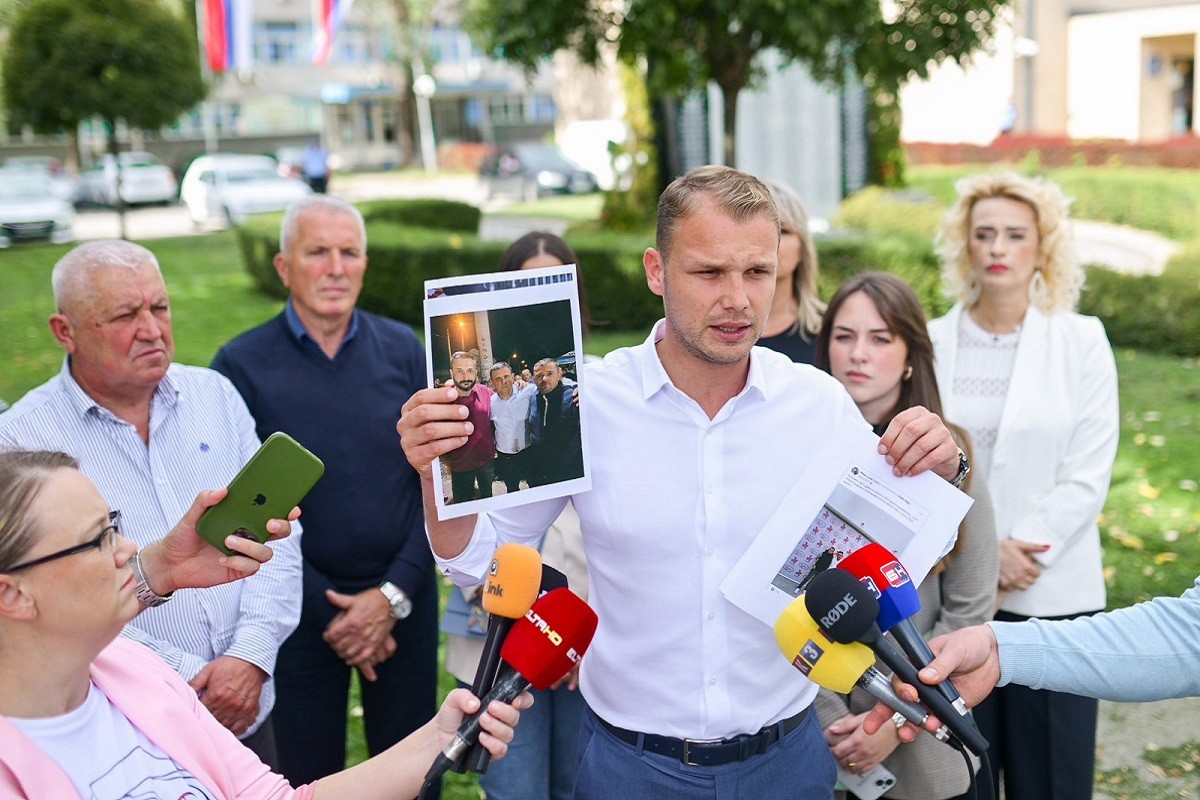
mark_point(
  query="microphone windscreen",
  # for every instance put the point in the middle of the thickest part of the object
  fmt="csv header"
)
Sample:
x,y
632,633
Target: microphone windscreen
x,y
552,579
841,605
551,638
880,571
834,666
513,580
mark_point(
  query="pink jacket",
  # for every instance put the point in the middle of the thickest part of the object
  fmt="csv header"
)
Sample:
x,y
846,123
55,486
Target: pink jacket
x,y
163,707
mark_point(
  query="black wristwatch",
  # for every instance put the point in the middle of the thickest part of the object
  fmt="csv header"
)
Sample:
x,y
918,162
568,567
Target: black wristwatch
x,y
964,468
397,599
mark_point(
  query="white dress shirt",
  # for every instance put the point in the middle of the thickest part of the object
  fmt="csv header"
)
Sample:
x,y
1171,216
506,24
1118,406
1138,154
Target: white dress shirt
x,y
510,418
676,500
200,436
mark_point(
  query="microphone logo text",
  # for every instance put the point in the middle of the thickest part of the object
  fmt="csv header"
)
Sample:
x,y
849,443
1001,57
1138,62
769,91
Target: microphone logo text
x,y
839,608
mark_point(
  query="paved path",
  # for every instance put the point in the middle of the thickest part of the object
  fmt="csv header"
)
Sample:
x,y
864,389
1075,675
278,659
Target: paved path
x,y
1123,249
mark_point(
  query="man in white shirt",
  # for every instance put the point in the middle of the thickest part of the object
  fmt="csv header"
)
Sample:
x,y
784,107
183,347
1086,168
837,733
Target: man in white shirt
x,y
151,434
695,438
510,412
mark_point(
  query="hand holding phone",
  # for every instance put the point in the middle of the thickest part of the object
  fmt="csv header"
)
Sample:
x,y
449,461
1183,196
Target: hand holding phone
x,y
273,481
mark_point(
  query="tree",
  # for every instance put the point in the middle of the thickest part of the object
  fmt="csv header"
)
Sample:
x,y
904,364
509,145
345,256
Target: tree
x,y
130,61
687,43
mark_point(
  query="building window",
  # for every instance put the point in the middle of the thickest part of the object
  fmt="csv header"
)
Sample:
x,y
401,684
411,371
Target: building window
x,y
279,42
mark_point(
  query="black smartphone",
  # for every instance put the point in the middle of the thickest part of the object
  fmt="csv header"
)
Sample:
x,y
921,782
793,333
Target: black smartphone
x,y
275,479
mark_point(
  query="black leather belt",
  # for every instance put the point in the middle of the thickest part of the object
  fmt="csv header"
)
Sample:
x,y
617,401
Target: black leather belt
x,y
709,752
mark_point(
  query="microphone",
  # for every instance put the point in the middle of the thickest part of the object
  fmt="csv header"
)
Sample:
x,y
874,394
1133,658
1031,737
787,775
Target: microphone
x,y
880,571
541,647
478,757
846,610
512,585
839,667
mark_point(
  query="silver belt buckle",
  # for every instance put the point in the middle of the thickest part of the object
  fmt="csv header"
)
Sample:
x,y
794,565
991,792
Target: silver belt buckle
x,y
687,745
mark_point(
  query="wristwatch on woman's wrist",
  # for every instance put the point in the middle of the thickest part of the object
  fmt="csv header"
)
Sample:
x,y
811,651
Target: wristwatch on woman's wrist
x,y
141,588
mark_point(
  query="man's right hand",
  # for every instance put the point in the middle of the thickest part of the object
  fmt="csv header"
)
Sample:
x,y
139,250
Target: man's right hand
x,y
431,425
969,657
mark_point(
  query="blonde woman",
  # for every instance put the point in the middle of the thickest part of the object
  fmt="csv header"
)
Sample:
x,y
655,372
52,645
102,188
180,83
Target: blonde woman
x,y
1035,385
795,316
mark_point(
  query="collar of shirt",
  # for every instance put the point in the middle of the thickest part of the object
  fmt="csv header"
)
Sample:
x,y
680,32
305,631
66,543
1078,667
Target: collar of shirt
x,y
655,379
301,333
167,391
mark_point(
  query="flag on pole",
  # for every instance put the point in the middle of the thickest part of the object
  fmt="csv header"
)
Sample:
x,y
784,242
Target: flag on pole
x,y
228,26
328,16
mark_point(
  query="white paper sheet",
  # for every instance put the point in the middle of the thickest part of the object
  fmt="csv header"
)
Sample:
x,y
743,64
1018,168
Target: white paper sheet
x,y
846,498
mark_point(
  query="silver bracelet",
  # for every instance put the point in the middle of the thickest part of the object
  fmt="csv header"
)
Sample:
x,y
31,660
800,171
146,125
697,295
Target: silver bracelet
x,y
145,595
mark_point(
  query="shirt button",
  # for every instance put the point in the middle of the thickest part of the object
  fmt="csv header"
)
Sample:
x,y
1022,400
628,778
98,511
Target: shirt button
x,y
712,681
708,552
712,615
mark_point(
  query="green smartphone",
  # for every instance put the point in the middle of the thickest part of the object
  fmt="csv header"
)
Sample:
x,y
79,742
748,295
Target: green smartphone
x,y
275,479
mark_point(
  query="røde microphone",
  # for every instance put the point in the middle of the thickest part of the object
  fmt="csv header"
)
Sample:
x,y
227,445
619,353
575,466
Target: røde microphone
x,y
879,570
513,580
541,647
478,757
839,667
847,610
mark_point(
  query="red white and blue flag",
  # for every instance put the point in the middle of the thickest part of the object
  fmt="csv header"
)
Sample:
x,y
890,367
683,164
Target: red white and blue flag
x,y
328,16
228,28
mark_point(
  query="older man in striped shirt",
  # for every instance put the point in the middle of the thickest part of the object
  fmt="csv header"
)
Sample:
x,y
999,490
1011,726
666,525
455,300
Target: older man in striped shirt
x,y
151,434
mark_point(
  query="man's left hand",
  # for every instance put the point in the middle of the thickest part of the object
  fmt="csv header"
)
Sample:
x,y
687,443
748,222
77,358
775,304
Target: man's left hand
x,y
361,626
917,440
229,688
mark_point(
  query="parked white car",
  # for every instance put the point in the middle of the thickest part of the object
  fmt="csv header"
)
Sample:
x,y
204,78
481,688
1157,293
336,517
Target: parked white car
x,y
31,210
227,187
64,184
144,179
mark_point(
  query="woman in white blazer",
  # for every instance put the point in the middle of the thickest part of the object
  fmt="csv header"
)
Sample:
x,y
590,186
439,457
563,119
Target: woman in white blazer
x,y
1035,385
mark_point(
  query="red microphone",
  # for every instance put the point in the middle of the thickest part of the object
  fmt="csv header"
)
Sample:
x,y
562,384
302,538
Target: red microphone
x,y
542,647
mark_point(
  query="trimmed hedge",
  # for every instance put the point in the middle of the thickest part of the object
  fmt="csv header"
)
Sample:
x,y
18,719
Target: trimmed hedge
x,y
403,257
1153,313
441,215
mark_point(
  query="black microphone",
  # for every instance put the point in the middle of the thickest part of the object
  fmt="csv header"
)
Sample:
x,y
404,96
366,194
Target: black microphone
x,y
847,611
478,757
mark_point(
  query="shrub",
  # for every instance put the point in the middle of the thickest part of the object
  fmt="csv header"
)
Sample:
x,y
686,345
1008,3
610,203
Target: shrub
x,y
1149,312
404,257
442,215
881,211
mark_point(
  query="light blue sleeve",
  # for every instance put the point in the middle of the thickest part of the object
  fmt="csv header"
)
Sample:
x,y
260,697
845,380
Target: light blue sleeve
x,y
1150,651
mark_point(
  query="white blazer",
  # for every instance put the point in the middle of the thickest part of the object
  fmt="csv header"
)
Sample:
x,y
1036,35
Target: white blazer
x,y
1054,452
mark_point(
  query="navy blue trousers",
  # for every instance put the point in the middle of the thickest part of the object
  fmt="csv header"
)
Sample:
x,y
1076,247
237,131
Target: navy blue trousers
x,y
312,688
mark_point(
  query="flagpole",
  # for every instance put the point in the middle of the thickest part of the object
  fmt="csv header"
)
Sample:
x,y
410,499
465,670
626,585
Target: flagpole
x,y
207,111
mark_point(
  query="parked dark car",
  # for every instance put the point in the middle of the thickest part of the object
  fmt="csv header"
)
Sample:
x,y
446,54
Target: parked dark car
x,y
531,171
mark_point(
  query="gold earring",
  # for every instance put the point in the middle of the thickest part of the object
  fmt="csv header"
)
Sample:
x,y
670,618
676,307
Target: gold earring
x,y
907,373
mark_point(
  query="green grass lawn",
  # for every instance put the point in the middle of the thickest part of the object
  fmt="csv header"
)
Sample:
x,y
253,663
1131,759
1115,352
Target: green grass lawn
x,y
1150,522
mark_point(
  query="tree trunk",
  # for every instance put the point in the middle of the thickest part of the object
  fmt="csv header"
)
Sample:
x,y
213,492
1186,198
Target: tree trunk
x,y
114,151
405,130
730,95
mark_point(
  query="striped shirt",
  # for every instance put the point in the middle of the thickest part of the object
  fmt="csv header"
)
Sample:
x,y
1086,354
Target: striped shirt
x,y
200,436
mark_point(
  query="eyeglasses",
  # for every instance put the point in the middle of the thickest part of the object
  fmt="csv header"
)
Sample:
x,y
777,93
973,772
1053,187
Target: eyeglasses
x,y
108,535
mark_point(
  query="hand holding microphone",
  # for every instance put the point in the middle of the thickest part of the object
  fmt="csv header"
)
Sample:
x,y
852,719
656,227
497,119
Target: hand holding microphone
x,y
541,647
847,610
839,667
880,570
516,565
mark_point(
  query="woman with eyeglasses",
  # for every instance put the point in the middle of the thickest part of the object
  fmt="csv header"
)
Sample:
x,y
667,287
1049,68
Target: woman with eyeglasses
x,y
84,713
